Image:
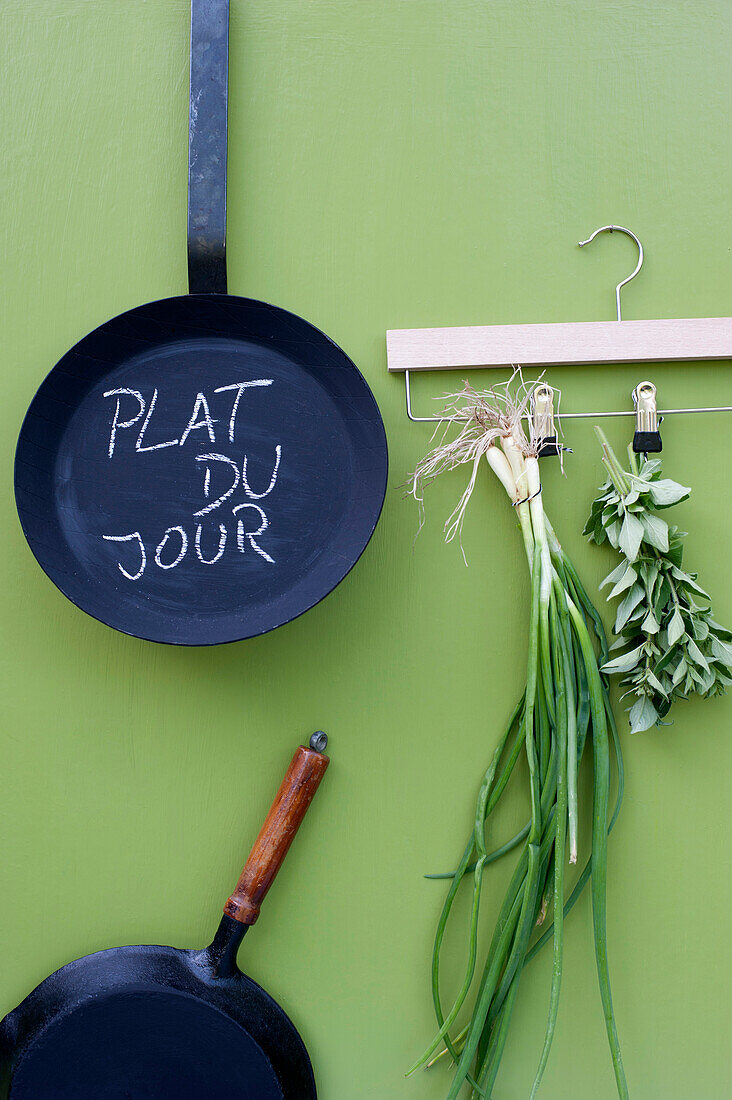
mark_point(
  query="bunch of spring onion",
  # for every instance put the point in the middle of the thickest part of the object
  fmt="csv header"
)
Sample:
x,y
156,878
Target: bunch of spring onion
x,y
562,715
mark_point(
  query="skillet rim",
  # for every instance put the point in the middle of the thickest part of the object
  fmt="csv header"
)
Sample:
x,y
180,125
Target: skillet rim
x,y
148,634
20,1028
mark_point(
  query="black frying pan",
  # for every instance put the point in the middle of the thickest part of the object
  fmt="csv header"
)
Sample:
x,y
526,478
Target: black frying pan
x,y
203,468
157,1023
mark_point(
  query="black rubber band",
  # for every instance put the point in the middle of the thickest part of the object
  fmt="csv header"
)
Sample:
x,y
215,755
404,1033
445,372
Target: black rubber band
x,y
527,499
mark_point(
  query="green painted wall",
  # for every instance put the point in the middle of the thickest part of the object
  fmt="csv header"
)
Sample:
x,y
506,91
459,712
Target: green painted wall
x,y
392,164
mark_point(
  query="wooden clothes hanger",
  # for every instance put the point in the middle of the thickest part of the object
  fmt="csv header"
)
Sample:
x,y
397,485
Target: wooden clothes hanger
x,y
563,344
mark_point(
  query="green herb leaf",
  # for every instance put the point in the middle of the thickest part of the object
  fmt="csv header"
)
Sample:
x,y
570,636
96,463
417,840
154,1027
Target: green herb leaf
x,y
650,625
628,578
631,536
628,606
616,574
612,530
680,672
707,681
696,654
655,531
655,683
689,581
643,715
675,627
665,492
722,650
624,663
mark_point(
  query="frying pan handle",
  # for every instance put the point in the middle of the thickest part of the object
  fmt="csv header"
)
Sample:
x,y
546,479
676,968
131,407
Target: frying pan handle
x,y
207,139
278,832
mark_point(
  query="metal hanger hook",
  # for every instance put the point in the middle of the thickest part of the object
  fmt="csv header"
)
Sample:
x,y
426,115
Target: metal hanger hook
x,y
639,265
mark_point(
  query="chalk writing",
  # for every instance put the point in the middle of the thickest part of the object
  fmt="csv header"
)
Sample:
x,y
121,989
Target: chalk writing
x,y
219,552
200,407
163,543
128,538
242,533
206,422
272,480
155,446
116,422
207,482
240,387
230,475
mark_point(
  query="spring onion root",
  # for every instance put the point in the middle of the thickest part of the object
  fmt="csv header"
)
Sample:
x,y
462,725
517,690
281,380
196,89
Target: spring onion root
x,y
563,710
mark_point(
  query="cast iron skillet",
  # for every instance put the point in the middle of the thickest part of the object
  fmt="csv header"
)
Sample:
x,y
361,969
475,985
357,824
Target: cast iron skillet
x,y
156,1023
203,468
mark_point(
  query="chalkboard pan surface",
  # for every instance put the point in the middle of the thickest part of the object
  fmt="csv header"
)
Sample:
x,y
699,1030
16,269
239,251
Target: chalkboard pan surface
x,y
203,468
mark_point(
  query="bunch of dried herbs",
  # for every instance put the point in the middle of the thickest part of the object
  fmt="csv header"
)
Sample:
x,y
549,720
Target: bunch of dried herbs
x,y
670,646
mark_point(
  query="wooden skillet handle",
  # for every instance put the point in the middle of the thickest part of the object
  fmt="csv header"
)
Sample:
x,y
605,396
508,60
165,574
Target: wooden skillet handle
x,y
278,832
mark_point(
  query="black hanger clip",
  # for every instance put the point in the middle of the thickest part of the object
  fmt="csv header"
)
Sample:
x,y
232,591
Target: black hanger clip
x,y
647,438
543,429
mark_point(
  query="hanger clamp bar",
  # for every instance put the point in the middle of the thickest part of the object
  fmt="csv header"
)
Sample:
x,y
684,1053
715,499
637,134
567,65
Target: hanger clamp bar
x,y
565,415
